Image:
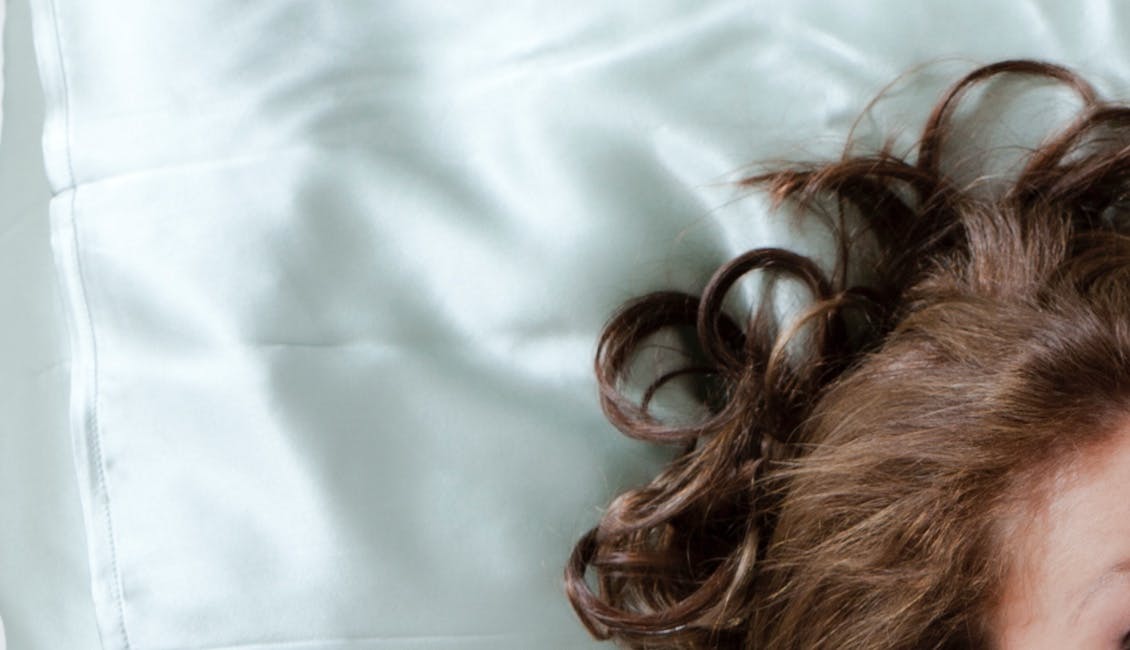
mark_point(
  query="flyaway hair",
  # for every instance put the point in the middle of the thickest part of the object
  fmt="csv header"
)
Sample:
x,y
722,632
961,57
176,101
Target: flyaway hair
x,y
861,495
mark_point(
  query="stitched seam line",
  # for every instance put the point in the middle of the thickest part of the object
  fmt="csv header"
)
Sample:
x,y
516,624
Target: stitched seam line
x,y
93,424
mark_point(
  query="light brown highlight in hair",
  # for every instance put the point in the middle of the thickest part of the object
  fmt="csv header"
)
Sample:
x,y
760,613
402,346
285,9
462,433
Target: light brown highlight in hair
x,y
859,496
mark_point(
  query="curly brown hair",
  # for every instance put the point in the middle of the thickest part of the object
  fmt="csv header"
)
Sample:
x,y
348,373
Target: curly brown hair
x,y
860,493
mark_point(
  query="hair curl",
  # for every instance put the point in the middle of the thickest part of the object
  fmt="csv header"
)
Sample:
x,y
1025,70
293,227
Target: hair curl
x,y
859,495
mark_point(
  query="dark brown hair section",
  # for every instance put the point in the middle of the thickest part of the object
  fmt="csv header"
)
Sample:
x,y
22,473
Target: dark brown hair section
x,y
860,495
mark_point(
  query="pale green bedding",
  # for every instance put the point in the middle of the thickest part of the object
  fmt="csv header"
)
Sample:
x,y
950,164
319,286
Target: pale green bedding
x,y
333,275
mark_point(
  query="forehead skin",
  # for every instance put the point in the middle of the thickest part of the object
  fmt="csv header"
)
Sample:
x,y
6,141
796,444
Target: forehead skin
x,y
1071,583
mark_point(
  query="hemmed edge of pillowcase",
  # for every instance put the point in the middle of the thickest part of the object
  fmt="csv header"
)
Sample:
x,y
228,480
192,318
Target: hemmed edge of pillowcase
x,y
86,441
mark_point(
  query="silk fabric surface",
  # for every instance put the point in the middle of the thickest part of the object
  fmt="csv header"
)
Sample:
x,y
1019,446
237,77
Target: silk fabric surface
x,y
45,584
333,275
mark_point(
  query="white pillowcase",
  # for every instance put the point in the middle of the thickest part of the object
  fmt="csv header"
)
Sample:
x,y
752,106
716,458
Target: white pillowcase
x,y
335,273
43,566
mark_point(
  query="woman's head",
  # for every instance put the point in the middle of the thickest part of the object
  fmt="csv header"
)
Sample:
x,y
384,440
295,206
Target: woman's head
x,y
935,467
931,461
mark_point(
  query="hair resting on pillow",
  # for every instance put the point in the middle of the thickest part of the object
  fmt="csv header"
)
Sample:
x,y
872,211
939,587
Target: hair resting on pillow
x,y
861,495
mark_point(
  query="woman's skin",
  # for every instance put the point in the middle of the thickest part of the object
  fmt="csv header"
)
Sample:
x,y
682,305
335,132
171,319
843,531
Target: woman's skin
x,y
1071,586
